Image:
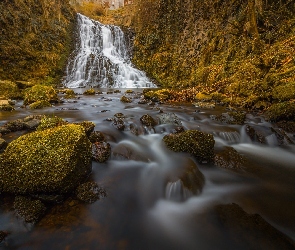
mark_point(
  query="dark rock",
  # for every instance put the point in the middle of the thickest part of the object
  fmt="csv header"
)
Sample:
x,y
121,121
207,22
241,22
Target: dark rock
x,y
234,117
169,118
119,123
147,120
4,130
288,126
88,127
178,129
251,230
3,144
16,125
3,235
90,192
28,209
49,198
197,143
101,151
229,158
119,115
96,136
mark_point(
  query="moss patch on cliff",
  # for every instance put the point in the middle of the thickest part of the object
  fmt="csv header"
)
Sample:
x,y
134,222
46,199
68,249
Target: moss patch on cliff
x,y
35,39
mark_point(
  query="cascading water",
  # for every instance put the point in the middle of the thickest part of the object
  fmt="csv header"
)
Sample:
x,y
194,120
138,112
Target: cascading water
x,y
101,59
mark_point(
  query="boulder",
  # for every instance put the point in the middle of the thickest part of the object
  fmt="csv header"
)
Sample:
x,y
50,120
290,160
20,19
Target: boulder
x,y
40,93
147,120
229,158
54,160
195,142
101,151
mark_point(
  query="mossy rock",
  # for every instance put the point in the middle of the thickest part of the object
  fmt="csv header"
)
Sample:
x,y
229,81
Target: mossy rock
x,y
195,142
90,192
69,94
125,99
96,136
40,105
229,158
89,92
88,126
50,122
281,111
147,120
40,93
55,160
233,117
10,90
101,151
284,92
29,209
6,107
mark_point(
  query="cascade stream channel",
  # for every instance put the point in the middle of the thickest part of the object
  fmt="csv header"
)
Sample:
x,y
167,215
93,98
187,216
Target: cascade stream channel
x,y
147,206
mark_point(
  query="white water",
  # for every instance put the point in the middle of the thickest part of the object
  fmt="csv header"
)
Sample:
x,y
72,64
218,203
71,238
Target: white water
x,y
101,59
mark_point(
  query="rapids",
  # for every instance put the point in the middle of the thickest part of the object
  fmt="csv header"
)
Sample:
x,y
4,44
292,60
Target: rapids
x,y
143,209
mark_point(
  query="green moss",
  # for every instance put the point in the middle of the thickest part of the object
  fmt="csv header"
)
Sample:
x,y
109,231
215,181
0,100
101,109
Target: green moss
x,y
40,93
10,90
40,105
69,94
50,122
89,92
281,111
197,143
88,126
55,160
284,92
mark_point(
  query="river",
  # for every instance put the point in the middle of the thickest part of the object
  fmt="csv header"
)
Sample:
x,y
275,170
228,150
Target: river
x,y
142,210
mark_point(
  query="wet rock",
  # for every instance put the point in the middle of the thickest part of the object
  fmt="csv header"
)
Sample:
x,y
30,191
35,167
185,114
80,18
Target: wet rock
x,y
185,183
32,124
125,99
178,129
134,129
119,115
250,230
229,158
288,126
90,192
3,235
127,152
101,151
117,91
142,101
195,142
256,134
96,136
16,125
4,130
119,124
29,209
147,120
54,160
234,117
169,118
3,144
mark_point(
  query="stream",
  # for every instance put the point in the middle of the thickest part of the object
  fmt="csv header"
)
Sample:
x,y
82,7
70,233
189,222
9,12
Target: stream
x,y
144,211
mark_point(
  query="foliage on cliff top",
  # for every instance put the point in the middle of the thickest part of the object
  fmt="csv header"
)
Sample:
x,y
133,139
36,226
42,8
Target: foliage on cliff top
x,y
243,49
35,39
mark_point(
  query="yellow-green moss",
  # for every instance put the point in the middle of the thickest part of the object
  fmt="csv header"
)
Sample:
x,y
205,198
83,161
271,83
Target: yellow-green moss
x,y
40,93
55,160
89,92
40,105
10,90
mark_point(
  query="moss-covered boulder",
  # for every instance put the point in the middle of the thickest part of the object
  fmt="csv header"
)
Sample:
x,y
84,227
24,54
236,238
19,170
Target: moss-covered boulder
x,y
195,142
125,99
40,93
55,160
88,126
50,122
147,120
281,111
10,90
89,92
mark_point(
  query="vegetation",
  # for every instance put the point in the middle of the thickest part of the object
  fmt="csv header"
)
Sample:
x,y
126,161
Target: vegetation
x,y
241,49
40,93
35,39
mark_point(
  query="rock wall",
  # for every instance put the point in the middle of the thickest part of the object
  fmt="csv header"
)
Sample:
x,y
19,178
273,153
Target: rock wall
x,y
35,39
242,49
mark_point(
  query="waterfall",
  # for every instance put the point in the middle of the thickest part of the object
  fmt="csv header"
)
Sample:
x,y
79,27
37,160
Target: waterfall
x,y
101,59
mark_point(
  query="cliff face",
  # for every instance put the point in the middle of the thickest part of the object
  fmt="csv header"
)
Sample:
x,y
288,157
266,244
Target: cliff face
x,y
35,39
243,49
